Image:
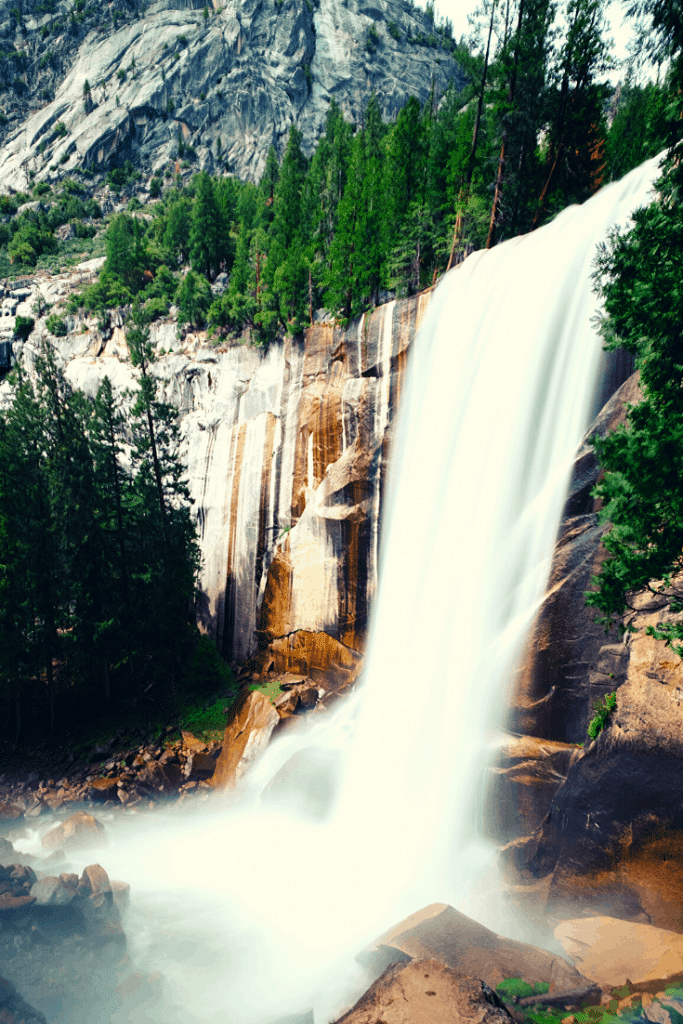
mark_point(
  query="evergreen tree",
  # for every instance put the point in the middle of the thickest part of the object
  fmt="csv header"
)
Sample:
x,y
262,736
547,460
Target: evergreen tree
x,y
207,248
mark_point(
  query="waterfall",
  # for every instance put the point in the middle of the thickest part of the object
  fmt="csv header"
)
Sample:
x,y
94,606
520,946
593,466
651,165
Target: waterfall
x,y
256,911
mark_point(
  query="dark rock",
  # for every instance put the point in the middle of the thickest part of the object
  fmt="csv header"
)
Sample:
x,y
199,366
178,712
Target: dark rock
x,y
103,789
14,1009
52,892
198,766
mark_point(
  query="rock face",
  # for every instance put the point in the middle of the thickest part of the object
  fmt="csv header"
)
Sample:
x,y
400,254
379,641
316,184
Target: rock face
x,y
13,1009
427,992
569,662
287,455
228,85
458,942
611,842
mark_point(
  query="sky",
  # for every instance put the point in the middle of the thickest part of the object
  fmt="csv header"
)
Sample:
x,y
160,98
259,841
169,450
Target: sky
x,y
620,28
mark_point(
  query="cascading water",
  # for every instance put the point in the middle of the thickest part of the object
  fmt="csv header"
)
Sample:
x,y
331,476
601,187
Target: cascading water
x,y
255,911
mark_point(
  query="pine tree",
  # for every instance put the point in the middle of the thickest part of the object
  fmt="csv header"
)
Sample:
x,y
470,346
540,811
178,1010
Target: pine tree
x,y
208,229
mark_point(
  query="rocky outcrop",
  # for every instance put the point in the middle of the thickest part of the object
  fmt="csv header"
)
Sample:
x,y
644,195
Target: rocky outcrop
x,y
14,1009
427,992
224,85
455,940
611,841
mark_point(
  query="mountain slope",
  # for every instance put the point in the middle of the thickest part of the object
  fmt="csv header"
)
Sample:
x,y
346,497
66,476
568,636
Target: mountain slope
x,y
227,83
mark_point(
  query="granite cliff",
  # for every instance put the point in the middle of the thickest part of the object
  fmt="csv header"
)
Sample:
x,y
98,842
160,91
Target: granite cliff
x,y
226,82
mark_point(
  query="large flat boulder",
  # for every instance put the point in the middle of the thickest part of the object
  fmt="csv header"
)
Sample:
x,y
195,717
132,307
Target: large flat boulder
x,y
612,952
442,933
427,992
247,735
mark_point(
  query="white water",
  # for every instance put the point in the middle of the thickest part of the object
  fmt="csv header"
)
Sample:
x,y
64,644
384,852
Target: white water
x,y
257,911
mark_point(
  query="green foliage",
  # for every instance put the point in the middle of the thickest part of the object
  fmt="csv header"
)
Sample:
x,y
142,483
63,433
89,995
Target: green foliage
x,y
23,325
602,710
515,988
372,39
639,275
207,671
99,554
56,326
194,299
60,129
394,30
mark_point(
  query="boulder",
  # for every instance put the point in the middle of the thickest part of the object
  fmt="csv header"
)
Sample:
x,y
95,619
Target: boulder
x,y
7,855
52,892
192,742
198,766
103,789
121,893
612,952
442,933
95,900
81,829
427,992
9,812
247,735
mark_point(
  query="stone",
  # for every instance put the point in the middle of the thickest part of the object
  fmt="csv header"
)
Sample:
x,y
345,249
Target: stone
x,y
426,991
10,812
7,855
103,789
121,893
199,766
612,952
51,892
191,742
81,829
442,933
247,734
9,902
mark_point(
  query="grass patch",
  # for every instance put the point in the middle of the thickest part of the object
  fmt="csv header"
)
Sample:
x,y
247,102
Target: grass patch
x,y
269,689
515,988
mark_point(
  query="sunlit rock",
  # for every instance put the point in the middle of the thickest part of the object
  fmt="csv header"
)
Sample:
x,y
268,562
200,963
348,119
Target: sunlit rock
x,y
247,734
427,992
443,933
611,952
81,829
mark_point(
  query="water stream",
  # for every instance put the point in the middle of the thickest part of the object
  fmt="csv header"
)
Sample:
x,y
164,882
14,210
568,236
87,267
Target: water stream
x,y
256,911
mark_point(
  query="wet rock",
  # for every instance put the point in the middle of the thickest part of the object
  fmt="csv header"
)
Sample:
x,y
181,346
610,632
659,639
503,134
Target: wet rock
x,y
121,893
52,892
522,784
247,734
7,855
426,992
611,952
81,829
440,932
562,672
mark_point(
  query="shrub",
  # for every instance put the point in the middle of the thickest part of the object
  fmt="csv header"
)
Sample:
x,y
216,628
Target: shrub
x,y
394,30
23,325
56,326
155,187
602,711
60,129
372,39
64,158
41,189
